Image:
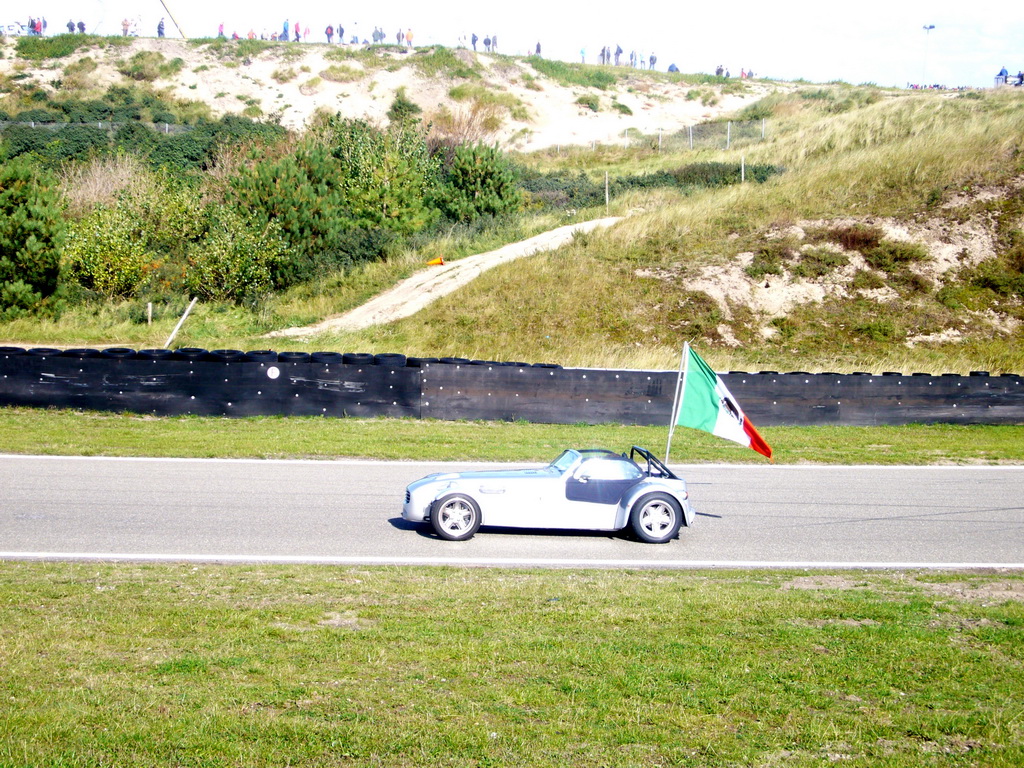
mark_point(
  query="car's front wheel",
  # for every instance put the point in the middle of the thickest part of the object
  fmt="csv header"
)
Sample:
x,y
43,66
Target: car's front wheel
x,y
455,517
655,518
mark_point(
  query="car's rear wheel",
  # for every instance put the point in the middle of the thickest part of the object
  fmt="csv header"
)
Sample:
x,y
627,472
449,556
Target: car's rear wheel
x,y
655,518
455,517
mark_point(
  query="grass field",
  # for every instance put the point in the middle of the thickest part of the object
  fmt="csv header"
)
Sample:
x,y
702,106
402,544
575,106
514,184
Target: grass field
x,y
36,431
255,666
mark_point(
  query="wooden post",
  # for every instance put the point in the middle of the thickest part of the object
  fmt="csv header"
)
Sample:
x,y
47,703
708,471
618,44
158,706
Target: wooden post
x,y
607,198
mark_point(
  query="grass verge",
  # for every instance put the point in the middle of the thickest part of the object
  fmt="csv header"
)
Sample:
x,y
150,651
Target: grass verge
x,y
37,431
265,666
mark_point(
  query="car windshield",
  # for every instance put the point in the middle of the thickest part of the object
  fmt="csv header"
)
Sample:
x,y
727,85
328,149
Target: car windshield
x,y
565,460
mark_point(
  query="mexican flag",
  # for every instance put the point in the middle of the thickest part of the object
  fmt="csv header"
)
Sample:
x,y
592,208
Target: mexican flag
x,y
705,403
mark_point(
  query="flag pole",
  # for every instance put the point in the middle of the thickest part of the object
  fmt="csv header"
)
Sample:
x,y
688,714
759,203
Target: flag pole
x,y
677,403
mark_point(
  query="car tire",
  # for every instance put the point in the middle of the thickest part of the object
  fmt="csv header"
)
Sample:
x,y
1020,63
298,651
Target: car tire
x,y
655,518
455,517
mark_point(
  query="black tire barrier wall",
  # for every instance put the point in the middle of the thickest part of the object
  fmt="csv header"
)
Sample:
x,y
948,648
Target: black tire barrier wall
x,y
235,383
218,383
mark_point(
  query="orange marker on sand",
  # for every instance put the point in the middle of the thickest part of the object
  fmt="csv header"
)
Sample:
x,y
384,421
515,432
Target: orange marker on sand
x,y
438,262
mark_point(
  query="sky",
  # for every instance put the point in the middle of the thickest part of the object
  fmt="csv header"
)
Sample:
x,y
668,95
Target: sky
x,y
869,41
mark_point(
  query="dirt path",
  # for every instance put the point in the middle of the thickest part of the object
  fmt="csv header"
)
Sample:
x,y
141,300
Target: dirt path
x,y
414,293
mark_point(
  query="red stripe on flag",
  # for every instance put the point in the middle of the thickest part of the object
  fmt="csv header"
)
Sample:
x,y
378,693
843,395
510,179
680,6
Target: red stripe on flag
x,y
756,441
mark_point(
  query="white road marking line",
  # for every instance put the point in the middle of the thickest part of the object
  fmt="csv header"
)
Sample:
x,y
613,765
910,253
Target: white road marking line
x,y
473,462
511,562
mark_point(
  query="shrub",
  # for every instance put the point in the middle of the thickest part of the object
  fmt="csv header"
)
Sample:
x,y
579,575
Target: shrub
x,y
768,261
867,280
76,142
40,48
143,66
877,330
481,182
402,108
441,61
107,252
818,262
39,116
623,108
301,193
573,74
22,139
137,138
31,235
722,174
390,176
236,258
86,111
891,256
590,101
338,73
853,237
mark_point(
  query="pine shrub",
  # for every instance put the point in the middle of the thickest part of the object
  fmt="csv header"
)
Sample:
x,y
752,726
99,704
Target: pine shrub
x,y
481,182
31,235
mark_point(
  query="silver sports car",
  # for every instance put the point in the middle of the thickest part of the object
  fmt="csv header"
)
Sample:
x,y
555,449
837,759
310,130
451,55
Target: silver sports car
x,y
589,489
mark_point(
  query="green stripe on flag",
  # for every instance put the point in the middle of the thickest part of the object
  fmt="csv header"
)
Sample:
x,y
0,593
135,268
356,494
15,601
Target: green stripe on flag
x,y
700,402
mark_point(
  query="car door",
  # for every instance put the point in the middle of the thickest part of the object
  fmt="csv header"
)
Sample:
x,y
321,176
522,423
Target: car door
x,y
593,490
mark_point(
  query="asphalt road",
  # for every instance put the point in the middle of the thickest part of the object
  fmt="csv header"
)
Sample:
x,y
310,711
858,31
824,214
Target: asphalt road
x,y
349,512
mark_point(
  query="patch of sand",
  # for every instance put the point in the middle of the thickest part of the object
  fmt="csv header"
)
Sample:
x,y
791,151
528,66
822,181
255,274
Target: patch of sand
x,y
420,290
552,116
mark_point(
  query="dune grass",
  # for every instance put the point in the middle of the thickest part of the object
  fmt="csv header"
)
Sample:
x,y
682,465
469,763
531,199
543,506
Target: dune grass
x,y
624,297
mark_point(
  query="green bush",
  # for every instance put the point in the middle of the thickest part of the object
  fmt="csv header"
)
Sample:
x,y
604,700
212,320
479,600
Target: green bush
x,y
22,140
890,255
76,142
31,235
107,252
769,259
402,108
818,262
589,101
137,138
40,48
574,74
481,182
39,116
143,66
77,111
236,258
560,189
443,62
877,330
301,193
390,177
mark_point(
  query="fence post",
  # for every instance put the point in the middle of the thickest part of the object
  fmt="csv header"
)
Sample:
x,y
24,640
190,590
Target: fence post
x,y
659,139
607,199
728,134
180,322
690,129
743,168
762,129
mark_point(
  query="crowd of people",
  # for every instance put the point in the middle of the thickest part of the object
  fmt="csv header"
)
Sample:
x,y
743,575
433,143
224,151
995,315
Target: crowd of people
x,y
36,26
